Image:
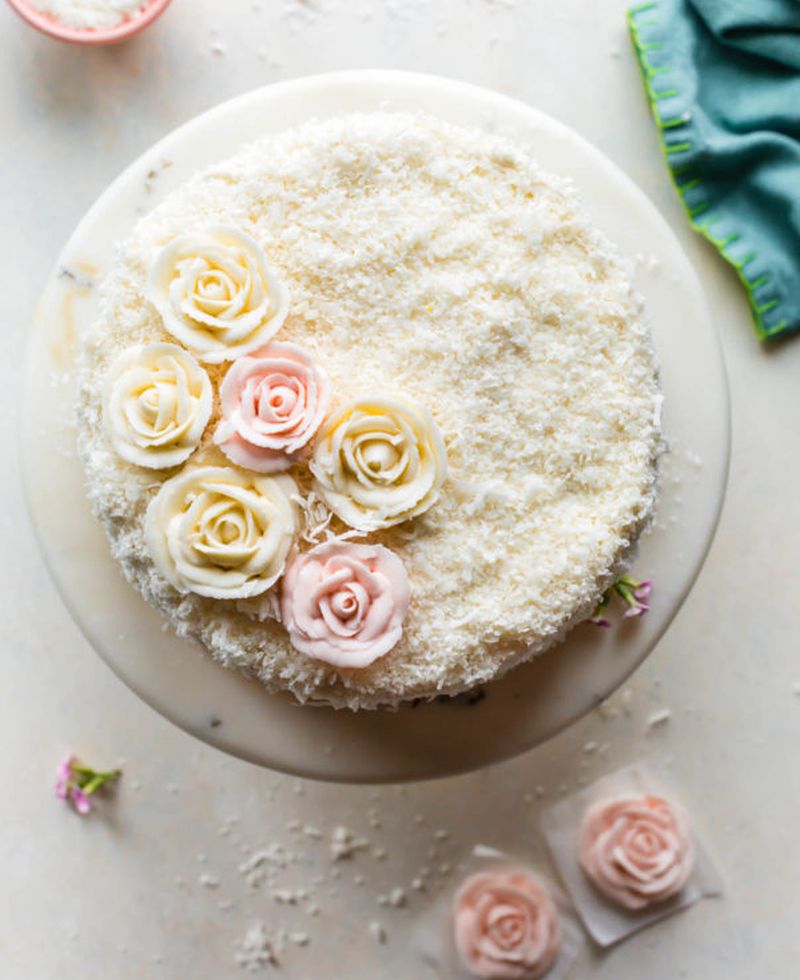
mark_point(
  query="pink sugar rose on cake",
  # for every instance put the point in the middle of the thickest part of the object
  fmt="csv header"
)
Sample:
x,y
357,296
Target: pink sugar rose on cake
x,y
345,603
273,402
506,925
637,850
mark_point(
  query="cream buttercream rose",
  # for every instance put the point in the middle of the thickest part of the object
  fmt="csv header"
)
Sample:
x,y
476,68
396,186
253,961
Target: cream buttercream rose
x,y
345,603
221,532
216,293
273,402
156,404
637,850
379,461
506,925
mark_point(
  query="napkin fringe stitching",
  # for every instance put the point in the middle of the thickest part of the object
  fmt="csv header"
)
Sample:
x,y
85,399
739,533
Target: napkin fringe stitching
x,y
690,189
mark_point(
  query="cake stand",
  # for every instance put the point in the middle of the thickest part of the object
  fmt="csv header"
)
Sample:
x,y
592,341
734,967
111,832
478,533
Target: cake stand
x,y
534,701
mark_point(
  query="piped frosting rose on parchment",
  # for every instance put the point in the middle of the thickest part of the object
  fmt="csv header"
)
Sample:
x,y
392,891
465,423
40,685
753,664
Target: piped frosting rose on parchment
x,y
273,402
379,461
216,293
156,404
505,925
637,850
345,603
221,532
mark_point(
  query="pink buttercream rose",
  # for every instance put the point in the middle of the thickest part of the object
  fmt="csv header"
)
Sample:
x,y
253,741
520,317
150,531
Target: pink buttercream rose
x,y
345,603
273,402
506,925
637,850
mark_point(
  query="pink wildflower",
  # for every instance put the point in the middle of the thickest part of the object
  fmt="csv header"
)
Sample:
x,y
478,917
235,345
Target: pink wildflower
x,y
76,782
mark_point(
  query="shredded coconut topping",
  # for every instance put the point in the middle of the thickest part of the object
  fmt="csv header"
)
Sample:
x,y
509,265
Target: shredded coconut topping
x,y
440,262
90,14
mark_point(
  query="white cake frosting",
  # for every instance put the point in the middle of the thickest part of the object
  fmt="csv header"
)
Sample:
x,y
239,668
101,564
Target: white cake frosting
x,y
427,262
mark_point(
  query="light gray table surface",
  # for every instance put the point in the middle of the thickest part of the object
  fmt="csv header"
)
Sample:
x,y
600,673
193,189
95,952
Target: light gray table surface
x,y
151,886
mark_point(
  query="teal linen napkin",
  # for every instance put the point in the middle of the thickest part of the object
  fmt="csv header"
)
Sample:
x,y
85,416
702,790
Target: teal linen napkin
x,y
723,80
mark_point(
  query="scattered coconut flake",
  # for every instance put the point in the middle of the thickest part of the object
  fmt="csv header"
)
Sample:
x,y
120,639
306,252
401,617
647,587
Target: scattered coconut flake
x,y
261,607
256,866
659,718
256,949
208,881
607,710
316,516
344,844
284,896
397,898
377,931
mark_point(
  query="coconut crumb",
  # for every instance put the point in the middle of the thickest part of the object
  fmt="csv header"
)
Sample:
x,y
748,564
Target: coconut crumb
x,y
658,718
344,844
256,949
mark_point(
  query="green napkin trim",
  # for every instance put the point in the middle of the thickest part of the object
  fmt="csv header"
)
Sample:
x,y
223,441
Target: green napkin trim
x,y
670,112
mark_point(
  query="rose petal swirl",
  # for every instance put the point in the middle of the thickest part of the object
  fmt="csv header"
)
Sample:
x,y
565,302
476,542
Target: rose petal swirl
x,y
345,603
273,402
216,294
221,532
156,404
506,925
637,850
379,461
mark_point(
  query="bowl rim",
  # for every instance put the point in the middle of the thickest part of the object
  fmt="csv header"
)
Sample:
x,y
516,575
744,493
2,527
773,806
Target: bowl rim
x,y
76,35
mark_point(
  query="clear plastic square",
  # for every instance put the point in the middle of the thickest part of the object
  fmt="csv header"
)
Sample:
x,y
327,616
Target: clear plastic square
x,y
606,922
435,936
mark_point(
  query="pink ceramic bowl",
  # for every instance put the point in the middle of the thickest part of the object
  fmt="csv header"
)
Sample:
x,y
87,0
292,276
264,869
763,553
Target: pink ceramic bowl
x,y
151,10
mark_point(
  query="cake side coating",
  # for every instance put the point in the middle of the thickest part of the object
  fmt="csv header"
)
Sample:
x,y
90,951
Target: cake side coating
x,y
440,262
